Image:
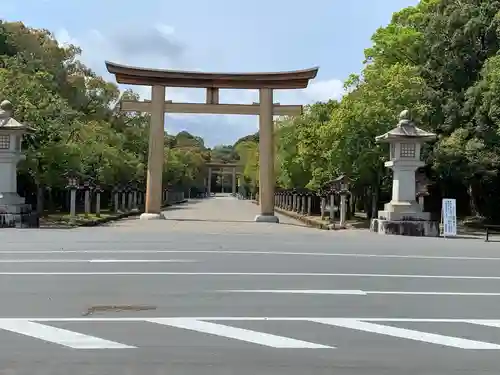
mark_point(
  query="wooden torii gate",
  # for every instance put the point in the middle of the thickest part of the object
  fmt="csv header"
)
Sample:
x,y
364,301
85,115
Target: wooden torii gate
x,y
212,82
220,167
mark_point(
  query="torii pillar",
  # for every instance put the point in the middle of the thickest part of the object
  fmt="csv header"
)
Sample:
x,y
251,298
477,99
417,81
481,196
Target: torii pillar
x,y
234,180
209,181
156,156
266,158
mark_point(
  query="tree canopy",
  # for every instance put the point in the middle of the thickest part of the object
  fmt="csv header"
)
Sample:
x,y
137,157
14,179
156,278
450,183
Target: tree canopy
x,y
440,59
77,126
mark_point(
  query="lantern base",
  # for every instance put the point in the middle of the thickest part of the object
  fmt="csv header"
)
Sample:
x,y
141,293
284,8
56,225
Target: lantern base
x,y
18,216
403,211
151,216
416,228
11,199
267,219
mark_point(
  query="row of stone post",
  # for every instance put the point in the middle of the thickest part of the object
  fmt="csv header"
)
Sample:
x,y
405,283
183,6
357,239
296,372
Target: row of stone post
x,y
125,197
296,201
169,196
301,200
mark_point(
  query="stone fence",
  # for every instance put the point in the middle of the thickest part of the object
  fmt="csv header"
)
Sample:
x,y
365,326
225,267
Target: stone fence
x,y
330,203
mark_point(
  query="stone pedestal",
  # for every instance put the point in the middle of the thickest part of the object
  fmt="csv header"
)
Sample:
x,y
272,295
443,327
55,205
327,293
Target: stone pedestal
x,y
405,219
266,219
15,213
422,228
151,216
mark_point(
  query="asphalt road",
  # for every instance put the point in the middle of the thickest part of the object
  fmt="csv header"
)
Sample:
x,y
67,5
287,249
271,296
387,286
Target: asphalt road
x,y
210,292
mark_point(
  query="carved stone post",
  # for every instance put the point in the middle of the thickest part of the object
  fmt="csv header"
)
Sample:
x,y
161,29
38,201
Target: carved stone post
x,y
86,190
140,199
323,207
98,192
344,193
134,195
130,194
123,192
332,207
116,198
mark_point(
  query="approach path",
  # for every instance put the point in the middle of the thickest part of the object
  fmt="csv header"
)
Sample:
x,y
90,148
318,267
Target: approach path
x,y
208,291
222,212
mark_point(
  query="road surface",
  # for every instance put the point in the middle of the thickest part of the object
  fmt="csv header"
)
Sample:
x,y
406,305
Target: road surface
x,y
208,291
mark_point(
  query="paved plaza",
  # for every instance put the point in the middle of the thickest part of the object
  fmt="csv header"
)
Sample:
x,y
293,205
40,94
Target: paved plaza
x,y
208,291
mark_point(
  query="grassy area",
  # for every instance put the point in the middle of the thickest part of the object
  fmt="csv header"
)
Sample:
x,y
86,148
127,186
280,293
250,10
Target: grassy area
x,y
64,218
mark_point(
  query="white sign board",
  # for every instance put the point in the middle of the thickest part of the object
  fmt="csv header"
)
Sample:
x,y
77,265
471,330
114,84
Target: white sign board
x,y
449,217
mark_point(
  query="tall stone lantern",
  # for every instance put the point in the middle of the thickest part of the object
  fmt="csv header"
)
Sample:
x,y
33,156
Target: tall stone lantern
x,y
14,211
403,215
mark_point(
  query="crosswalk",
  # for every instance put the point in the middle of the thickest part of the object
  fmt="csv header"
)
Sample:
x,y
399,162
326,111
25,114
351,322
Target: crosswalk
x,y
46,330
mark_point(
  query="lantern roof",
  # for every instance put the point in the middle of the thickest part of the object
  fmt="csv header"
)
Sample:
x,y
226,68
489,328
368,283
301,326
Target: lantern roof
x,y
406,129
6,120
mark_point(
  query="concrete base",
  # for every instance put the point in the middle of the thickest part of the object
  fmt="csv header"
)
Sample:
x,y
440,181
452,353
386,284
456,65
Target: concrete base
x,y
403,211
11,199
266,219
420,228
18,216
150,216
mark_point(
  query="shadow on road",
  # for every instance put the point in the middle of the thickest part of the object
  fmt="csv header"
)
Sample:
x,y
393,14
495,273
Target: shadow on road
x,y
175,208
227,221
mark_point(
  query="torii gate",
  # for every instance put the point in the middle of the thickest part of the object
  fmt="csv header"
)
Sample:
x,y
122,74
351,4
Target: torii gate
x,y
221,166
212,82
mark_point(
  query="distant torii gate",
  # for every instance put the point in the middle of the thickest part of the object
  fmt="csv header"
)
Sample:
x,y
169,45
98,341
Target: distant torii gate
x,y
212,82
222,166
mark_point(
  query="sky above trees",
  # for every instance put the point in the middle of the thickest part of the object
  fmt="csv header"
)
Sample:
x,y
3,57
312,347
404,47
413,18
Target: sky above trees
x,y
219,36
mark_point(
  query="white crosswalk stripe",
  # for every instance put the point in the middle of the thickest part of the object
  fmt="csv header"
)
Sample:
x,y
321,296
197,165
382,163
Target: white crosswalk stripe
x,y
408,334
59,336
223,327
247,335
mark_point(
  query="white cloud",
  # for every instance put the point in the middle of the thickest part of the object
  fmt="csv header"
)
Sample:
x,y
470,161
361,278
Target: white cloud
x,y
166,30
157,46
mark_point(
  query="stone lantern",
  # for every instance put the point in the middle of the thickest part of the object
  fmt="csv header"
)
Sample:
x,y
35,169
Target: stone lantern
x,y
12,207
403,215
72,186
342,185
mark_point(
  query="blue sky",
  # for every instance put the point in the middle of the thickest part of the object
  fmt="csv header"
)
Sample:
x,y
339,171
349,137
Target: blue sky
x,y
217,35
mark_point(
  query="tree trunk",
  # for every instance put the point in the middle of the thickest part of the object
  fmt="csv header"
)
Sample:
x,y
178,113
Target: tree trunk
x,y
375,195
367,199
40,197
472,200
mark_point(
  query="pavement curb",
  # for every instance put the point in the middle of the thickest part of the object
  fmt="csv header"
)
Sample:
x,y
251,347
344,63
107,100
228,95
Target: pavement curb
x,y
108,219
302,218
